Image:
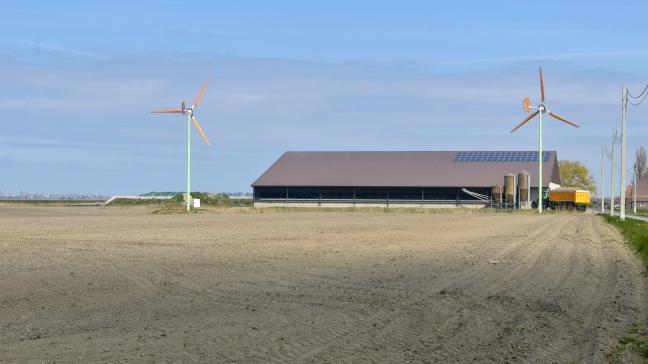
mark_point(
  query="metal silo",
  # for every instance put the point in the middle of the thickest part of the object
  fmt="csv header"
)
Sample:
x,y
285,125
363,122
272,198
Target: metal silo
x,y
496,194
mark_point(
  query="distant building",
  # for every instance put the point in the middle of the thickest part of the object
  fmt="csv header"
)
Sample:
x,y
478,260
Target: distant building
x,y
642,193
420,178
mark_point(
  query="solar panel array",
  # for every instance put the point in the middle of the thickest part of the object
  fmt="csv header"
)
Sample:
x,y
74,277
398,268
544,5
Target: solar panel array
x,y
514,156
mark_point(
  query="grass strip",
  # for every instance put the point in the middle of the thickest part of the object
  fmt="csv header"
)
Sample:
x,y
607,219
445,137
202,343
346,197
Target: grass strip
x,y
635,341
635,232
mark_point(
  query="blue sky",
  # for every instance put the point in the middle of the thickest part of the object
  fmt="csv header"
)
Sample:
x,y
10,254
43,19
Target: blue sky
x,y
78,80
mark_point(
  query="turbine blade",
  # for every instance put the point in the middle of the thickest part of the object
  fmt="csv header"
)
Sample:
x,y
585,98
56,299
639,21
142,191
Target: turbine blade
x,y
525,121
202,134
542,86
171,111
200,95
556,116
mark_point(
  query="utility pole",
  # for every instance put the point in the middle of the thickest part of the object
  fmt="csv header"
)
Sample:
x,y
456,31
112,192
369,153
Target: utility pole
x,y
614,138
624,106
540,200
602,186
634,191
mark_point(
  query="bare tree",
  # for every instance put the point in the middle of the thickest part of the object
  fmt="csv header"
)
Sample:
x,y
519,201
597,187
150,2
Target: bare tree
x,y
640,161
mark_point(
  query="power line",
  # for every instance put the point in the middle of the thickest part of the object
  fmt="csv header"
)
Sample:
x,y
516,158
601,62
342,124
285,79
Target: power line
x,y
638,103
642,95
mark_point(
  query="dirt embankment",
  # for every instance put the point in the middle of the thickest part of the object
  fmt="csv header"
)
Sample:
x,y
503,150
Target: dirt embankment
x,y
87,284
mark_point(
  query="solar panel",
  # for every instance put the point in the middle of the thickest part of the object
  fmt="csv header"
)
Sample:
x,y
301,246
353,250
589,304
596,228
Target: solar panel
x,y
477,156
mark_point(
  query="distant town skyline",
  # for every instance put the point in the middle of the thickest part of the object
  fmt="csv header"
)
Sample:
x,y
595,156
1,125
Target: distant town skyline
x,y
79,80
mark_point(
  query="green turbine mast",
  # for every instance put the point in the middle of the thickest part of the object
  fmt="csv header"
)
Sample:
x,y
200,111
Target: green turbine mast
x,y
539,110
189,112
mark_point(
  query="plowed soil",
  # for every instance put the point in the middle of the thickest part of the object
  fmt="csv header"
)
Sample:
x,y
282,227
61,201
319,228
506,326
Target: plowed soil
x,y
92,284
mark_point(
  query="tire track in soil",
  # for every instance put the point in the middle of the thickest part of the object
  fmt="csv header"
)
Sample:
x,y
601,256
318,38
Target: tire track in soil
x,y
337,334
563,323
450,333
579,326
593,312
390,320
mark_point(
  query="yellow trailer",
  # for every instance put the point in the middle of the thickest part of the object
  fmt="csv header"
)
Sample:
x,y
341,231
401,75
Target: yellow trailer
x,y
568,198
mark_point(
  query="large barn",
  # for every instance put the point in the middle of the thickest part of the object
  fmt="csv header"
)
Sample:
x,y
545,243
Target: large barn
x,y
416,179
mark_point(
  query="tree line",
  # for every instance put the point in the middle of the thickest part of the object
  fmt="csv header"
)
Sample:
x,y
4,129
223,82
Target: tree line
x,y
575,174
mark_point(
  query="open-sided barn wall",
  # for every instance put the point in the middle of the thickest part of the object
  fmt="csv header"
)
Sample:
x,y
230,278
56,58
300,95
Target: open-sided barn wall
x,y
368,193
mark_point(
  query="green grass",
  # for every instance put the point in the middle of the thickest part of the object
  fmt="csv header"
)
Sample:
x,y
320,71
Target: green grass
x,y
137,202
166,193
219,200
636,233
176,202
641,212
207,201
635,341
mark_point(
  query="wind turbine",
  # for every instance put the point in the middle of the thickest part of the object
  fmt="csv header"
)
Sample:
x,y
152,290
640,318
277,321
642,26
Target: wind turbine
x,y
189,112
539,110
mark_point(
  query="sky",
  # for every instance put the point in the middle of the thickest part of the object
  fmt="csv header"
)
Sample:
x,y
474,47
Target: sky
x,y
80,78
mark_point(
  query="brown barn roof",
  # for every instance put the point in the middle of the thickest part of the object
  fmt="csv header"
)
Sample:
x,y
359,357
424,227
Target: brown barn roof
x,y
398,169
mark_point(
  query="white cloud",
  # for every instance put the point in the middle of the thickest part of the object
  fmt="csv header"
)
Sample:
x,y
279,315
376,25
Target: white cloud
x,y
254,109
545,57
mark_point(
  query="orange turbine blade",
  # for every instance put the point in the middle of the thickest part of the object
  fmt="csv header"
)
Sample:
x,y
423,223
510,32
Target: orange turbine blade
x,y
202,134
172,111
200,95
542,85
525,121
563,119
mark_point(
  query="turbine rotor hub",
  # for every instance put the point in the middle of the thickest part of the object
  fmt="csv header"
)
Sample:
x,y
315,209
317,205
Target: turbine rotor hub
x,y
542,108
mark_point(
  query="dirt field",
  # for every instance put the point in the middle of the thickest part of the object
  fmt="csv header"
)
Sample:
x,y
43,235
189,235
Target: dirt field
x,y
91,284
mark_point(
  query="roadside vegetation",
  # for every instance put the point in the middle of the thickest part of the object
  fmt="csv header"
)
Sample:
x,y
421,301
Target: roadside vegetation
x,y
575,174
635,231
635,342
208,201
176,202
137,202
215,200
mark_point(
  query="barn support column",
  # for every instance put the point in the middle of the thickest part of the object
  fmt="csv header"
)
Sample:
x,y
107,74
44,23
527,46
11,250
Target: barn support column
x,y
422,199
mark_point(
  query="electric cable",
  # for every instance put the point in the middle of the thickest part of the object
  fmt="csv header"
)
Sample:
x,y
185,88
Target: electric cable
x,y
641,94
638,103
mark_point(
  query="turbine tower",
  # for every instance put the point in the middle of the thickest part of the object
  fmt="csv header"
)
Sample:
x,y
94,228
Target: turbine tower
x,y
189,112
539,110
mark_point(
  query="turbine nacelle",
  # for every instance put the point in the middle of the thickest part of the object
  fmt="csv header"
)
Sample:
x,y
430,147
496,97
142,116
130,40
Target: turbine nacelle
x,y
526,104
542,108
